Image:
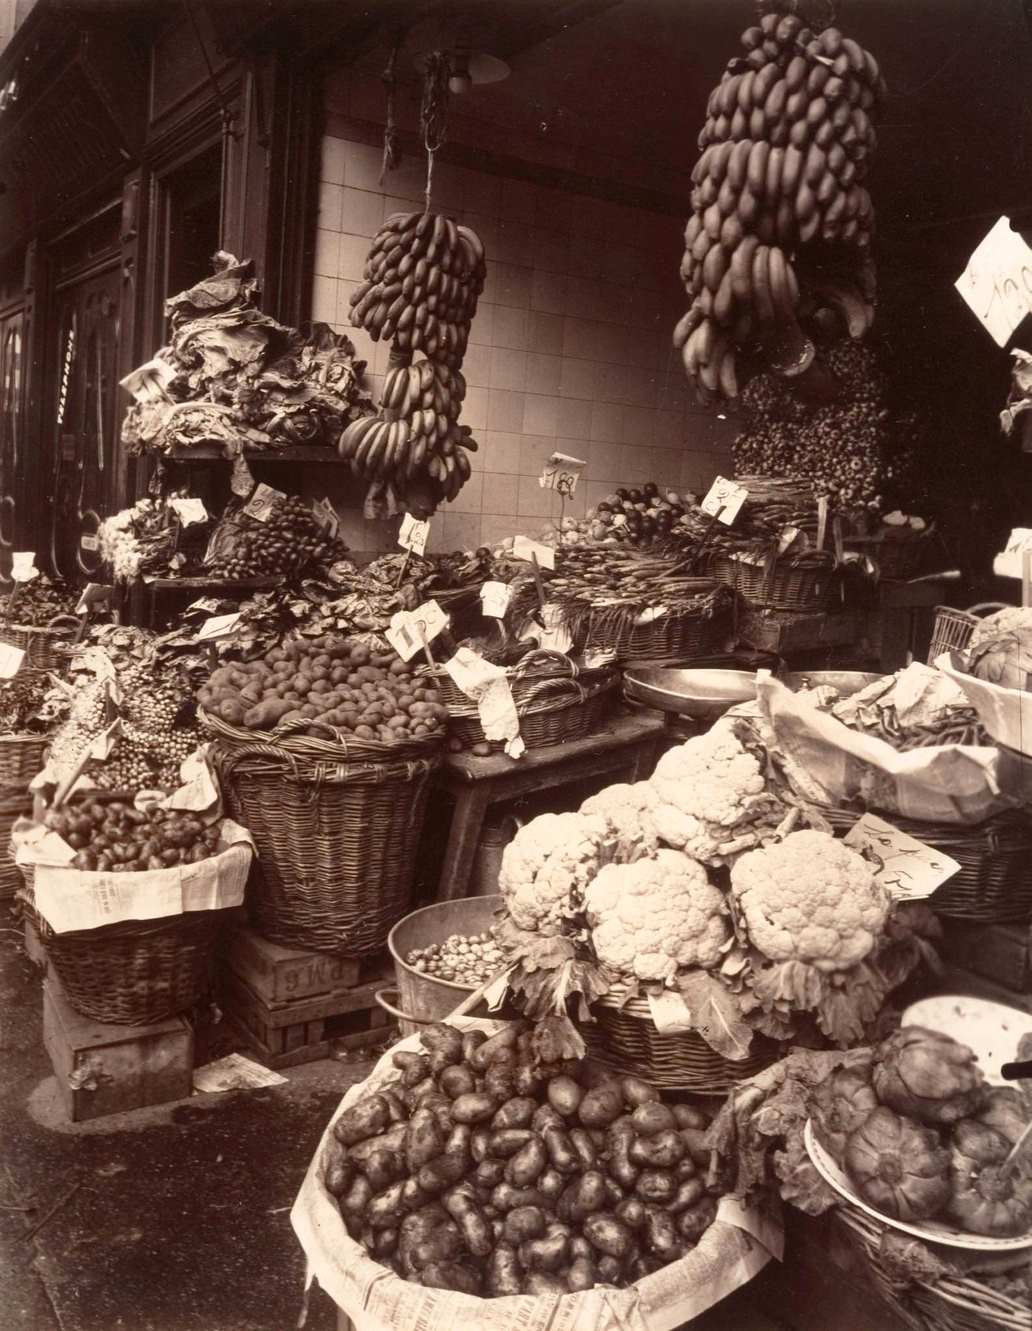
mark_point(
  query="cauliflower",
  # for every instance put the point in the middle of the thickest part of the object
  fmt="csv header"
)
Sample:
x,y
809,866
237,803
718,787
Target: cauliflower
x,y
713,799
547,866
810,898
656,916
628,810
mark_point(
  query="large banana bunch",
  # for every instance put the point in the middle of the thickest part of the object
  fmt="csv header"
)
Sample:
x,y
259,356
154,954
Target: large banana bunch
x,y
422,279
415,431
781,222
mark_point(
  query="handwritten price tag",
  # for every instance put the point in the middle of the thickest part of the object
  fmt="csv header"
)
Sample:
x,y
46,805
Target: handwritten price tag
x,y
23,566
219,626
189,510
724,500
524,548
326,517
411,629
909,870
997,282
1009,563
561,473
495,598
262,502
413,534
10,660
94,593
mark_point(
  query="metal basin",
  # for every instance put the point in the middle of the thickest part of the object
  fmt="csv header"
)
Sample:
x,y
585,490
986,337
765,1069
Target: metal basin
x,y
847,682
701,694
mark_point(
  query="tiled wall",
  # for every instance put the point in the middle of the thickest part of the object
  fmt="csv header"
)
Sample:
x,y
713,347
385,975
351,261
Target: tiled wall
x,y
570,348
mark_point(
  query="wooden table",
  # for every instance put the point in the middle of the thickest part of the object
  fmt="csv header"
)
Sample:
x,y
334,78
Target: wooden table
x,y
625,751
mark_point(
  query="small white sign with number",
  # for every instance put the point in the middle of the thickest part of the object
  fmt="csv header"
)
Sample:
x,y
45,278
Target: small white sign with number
x,y
997,282
410,630
94,593
10,660
413,534
262,502
495,598
23,566
189,510
909,870
219,626
562,473
724,500
524,548
1009,562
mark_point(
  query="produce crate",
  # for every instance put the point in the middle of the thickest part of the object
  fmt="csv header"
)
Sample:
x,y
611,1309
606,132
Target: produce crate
x,y
21,757
284,974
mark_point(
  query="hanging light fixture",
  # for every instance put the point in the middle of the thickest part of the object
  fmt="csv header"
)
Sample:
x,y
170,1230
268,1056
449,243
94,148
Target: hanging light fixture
x,y
454,36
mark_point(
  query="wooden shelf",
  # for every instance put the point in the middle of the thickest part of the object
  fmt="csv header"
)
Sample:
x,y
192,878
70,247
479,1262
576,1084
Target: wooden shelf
x,y
203,584
296,453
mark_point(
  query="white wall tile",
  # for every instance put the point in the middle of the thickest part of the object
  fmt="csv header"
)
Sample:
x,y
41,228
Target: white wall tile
x,y
500,493
544,373
541,414
330,197
361,212
508,369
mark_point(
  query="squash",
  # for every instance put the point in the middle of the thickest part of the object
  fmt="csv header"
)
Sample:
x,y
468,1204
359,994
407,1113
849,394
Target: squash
x,y
982,1200
898,1167
928,1076
840,1105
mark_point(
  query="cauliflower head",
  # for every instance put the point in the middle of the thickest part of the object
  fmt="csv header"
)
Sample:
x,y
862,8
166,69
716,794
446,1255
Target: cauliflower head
x,y
810,898
656,916
547,866
628,810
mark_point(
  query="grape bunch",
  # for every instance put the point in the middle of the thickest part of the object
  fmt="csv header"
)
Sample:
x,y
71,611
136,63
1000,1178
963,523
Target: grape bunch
x,y
158,731
288,542
36,603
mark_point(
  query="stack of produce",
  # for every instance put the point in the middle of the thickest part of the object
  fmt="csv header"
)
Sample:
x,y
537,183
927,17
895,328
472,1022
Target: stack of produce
x,y
234,377
639,517
23,703
488,1169
781,222
875,710
37,602
116,837
150,538
287,542
1000,649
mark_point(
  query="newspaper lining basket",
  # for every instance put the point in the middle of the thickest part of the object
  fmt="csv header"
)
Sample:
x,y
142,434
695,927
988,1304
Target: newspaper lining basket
x,y
625,1038
778,586
953,1303
337,828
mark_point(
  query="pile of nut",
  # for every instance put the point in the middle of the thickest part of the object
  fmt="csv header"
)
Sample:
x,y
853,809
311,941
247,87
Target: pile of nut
x,y
462,959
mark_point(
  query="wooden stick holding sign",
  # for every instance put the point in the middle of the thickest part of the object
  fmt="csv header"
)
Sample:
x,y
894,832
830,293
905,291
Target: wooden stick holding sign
x,y
66,785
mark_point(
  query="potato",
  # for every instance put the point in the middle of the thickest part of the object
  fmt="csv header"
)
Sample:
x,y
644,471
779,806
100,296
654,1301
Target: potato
x,y
441,1173
584,1147
609,1270
546,1116
655,1185
505,1197
583,1197
382,1168
580,1247
480,1142
637,1092
414,1067
398,1112
458,1142
600,1107
508,1141
693,1223
515,1113
484,1055
581,1275
631,1211
524,1223
499,1081
550,1183
653,1117
386,1208
413,1198
457,1079
527,1164
609,1236
391,1140
385,1243
695,1140
689,1193
413,1094
618,1143
474,1108
564,1095
541,1283
503,1271
489,1173
544,1254
463,1208
450,1275
561,1152
689,1117
364,1119
424,1140
338,1175
527,1080
662,1151
661,1236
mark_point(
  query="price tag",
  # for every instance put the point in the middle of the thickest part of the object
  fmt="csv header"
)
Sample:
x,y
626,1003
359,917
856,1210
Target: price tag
x,y
413,534
10,660
495,598
94,593
207,605
670,1013
554,636
524,548
561,473
326,517
909,870
787,539
89,542
997,282
488,686
724,500
104,743
410,629
219,626
653,613
189,510
23,566
241,480
262,502
1008,564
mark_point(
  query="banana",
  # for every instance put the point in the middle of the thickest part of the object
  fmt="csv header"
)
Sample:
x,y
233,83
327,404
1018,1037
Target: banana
x,y
692,230
774,106
352,435
376,320
817,112
365,305
830,42
855,53
827,188
727,376
765,80
787,29
718,162
814,165
744,95
748,207
757,124
848,174
684,328
809,228
805,204
427,376
825,135
721,128
736,169
372,455
709,370
871,71
727,199
358,293
769,24
840,116
433,279
752,37
425,226
756,169
852,201
724,300
797,105
785,222
762,302
791,171
451,237
731,233
739,125
741,269
780,288
708,192
799,134
765,228
463,466
729,95
862,123
474,242
713,220
702,166
775,166
795,73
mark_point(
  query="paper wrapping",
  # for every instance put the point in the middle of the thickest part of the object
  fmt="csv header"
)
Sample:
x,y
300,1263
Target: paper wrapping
x,y
1005,713
827,763
736,1246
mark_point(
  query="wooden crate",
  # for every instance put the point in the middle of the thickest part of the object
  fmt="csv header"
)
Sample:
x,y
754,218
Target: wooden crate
x,y
282,974
998,952
104,1069
34,949
286,1034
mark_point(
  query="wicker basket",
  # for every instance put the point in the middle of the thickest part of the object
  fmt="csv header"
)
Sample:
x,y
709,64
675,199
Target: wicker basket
x,y
779,586
993,884
15,803
40,645
626,1038
953,1303
337,832
953,628
677,637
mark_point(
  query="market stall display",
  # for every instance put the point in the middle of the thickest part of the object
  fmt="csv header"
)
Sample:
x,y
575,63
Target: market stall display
x,y
283,539
24,720
37,617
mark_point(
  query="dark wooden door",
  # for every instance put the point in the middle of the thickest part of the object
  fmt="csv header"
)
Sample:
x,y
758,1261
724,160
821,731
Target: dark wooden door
x,y
12,444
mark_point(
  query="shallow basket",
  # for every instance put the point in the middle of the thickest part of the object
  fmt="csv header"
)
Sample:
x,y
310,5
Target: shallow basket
x,y
781,586
626,1039
993,884
40,645
15,803
337,833
953,1303
677,637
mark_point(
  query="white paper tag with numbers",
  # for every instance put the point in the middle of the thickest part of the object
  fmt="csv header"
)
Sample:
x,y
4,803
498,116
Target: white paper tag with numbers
x,y
561,473
524,548
910,870
1008,563
23,566
413,534
495,598
724,500
410,629
219,626
189,510
997,282
262,502
94,593
11,659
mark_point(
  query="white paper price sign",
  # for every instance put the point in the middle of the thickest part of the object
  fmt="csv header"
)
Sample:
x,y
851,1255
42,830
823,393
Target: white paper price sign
x,y
10,660
524,548
241,480
413,534
561,473
89,542
410,630
1010,561
23,566
495,598
326,517
208,605
94,593
909,870
787,539
997,282
724,500
189,510
219,626
262,502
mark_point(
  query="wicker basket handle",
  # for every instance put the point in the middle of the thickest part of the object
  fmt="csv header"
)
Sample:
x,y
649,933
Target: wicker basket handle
x,y
59,620
984,608
551,688
547,656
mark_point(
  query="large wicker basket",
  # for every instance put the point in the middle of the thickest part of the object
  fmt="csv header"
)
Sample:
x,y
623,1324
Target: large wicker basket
x,y
993,884
15,803
779,585
624,1037
21,757
955,1302
40,645
677,637
337,829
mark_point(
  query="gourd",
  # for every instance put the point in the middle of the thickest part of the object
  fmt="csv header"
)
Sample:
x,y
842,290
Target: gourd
x,y
898,1167
985,1200
928,1076
842,1104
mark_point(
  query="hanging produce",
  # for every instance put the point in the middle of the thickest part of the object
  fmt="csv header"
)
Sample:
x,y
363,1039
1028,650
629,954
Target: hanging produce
x,y
781,221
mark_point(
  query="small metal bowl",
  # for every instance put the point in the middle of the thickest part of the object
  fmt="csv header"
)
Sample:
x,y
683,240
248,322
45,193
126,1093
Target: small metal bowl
x,y
700,694
846,682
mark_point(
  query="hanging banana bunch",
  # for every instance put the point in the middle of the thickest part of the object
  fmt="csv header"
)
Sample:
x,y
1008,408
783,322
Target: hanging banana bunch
x,y
781,223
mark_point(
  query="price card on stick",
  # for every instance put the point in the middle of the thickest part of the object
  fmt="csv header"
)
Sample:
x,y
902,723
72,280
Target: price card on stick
x,y
909,869
561,473
326,517
94,593
412,630
495,598
89,542
190,511
524,548
23,566
219,626
262,502
724,500
413,534
11,659
997,282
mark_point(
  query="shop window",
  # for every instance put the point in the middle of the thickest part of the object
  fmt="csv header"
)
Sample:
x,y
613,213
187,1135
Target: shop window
x,y
193,195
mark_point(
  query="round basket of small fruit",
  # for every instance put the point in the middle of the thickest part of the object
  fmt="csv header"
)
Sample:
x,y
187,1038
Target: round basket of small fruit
x,y
37,617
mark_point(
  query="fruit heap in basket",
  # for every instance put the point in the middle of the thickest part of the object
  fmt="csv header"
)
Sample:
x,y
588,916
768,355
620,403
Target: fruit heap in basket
x,y
23,703
114,836
325,685
781,222
484,1170
288,542
922,1137
37,602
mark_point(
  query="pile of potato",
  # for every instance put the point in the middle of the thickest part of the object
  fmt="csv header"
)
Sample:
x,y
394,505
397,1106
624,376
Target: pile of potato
x,y
354,688
482,1171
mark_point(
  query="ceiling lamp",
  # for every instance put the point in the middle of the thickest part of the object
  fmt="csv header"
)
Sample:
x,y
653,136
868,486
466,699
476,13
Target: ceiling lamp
x,y
468,68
